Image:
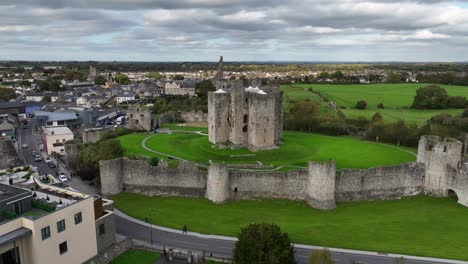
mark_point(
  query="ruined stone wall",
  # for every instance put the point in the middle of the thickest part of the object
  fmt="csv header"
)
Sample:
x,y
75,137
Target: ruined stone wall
x,y
445,154
280,184
140,177
93,135
380,182
139,117
194,116
465,151
217,187
218,122
425,147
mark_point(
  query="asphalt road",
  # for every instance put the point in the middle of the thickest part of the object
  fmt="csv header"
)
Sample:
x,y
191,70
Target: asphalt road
x,y
223,248
33,140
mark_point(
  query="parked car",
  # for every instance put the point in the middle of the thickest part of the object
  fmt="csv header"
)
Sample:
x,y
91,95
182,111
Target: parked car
x,y
51,165
47,159
34,153
25,145
38,158
63,178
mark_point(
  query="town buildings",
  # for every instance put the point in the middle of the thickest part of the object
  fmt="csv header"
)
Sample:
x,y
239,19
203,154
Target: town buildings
x,y
54,139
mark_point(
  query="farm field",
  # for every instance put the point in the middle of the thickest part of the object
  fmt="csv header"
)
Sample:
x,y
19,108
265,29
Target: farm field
x,y
396,98
297,150
421,225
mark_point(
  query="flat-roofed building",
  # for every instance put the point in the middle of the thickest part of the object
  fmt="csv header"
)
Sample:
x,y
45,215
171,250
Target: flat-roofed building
x,y
66,227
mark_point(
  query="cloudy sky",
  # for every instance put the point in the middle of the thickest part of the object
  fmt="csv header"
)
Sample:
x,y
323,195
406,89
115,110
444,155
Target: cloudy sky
x,y
201,30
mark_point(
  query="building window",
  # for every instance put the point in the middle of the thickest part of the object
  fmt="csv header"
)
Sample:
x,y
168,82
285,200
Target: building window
x,y
61,122
61,225
45,232
50,123
244,129
78,218
63,247
102,229
246,118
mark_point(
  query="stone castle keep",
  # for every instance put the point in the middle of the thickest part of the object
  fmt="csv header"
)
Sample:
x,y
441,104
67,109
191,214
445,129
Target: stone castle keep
x,y
440,170
243,116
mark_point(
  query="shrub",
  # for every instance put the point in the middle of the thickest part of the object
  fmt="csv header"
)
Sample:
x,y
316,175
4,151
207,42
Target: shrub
x,y
380,106
263,244
153,161
42,206
361,104
458,102
8,214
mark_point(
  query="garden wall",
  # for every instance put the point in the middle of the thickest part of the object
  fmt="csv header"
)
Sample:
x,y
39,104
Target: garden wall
x,y
380,182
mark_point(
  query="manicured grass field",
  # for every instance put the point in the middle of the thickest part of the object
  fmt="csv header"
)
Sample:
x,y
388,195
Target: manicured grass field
x,y
420,225
297,150
133,256
395,97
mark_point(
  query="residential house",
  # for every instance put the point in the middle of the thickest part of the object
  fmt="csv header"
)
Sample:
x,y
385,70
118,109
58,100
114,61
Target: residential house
x,y
54,139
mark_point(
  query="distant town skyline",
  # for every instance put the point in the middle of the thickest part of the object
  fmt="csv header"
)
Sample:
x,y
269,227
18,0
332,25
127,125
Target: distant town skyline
x,y
241,30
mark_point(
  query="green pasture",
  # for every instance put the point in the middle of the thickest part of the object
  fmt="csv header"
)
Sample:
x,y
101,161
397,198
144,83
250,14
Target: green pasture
x,y
133,256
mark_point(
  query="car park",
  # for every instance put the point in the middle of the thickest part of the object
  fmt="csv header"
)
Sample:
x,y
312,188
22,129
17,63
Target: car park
x,y
51,165
47,159
34,153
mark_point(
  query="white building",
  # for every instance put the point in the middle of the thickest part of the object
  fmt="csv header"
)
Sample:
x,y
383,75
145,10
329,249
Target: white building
x,y
69,233
125,98
55,137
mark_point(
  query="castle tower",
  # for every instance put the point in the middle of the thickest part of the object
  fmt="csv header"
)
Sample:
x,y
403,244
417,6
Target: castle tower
x,y
261,122
219,78
321,185
218,111
217,185
441,158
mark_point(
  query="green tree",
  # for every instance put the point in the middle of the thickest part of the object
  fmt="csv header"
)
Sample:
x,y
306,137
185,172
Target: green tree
x,y
263,244
321,257
178,77
204,87
156,75
303,116
100,80
430,97
6,94
458,102
400,132
122,79
361,104
376,118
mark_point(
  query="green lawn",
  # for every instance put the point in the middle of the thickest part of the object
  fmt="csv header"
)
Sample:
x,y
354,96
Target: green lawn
x,y
418,117
297,150
133,256
421,225
393,96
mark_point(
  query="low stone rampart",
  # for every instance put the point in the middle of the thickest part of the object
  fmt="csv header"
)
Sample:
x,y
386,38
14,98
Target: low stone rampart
x,y
380,183
251,184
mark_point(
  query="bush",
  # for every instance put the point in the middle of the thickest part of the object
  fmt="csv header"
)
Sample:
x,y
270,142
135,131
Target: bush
x,y
430,97
458,102
153,161
263,244
380,106
361,104
8,214
42,206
